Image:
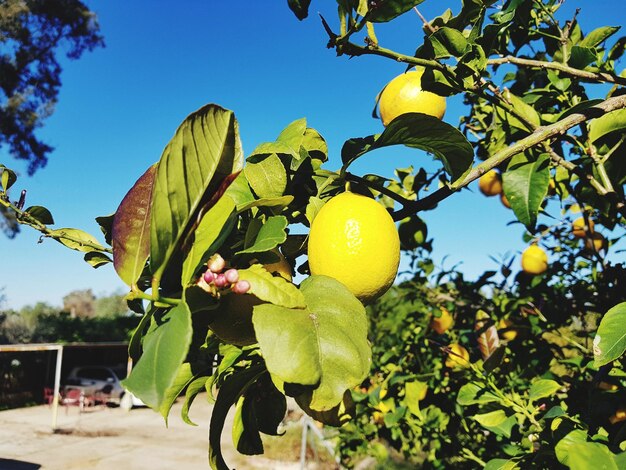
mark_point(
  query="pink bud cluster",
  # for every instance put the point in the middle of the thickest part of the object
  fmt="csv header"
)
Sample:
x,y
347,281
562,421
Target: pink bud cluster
x,y
215,277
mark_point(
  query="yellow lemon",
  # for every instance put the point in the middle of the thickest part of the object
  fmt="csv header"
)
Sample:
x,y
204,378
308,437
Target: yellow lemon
x,y
508,333
404,94
490,184
578,227
442,323
534,260
458,357
354,240
505,201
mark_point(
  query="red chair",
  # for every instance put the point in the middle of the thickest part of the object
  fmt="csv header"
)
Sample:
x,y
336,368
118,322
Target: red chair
x,y
73,397
48,395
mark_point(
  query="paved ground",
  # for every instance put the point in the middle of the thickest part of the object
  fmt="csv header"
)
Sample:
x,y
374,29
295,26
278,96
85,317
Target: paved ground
x,y
112,438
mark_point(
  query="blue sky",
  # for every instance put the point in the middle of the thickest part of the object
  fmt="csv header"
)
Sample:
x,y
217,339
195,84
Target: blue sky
x,y
119,106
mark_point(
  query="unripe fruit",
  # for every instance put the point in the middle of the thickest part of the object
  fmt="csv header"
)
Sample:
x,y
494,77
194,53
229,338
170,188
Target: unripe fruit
x,y
490,184
534,260
578,227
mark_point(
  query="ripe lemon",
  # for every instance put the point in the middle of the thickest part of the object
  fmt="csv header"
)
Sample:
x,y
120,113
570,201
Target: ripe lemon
x,y
578,227
534,260
354,240
458,357
490,184
505,201
232,320
443,323
404,94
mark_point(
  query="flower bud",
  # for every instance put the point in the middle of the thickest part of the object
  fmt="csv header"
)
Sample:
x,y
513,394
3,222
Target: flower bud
x,y
220,281
216,263
232,275
241,287
208,276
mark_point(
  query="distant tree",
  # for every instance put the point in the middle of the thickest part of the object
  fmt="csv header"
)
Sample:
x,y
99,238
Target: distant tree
x,y
111,306
31,34
80,303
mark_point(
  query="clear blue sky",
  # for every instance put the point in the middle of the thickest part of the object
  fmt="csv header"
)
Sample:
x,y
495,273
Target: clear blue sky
x,y
120,105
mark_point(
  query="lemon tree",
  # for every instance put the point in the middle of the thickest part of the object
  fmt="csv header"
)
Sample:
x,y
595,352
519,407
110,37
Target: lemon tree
x,y
208,240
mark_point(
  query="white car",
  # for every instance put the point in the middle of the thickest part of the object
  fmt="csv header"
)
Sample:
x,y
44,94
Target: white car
x,y
103,379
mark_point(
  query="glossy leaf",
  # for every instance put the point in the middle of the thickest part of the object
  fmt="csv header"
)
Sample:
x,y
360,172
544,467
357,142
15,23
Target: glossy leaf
x,y
609,343
562,448
523,109
42,214
164,350
214,226
497,422
315,144
543,388
384,11
273,289
598,35
326,342
581,57
268,177
193,389
282,201
501,464
183,378
130,231
448,42
584,455
419,131
271,234
610,122
97,259
7,178
204,151
288,142
473,394
76,239
525,185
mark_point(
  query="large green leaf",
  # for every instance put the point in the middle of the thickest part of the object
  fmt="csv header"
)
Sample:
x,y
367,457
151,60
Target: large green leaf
x,y
130,232
216,224
562,448
273,289
610,341
326,343
610,122
598,35
497,422
270,235
419,131
268,177
288,142
501,464
183,377
76,239
204,151
40,213
448,42
525,185
543,388
383,11
586,455
473,394
522,108
164,350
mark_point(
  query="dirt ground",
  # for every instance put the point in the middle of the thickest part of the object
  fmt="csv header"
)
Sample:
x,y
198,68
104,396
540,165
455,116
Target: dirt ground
x,y
111,438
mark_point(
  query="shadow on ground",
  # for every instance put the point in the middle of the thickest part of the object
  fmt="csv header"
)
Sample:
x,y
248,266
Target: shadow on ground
x,y
10,464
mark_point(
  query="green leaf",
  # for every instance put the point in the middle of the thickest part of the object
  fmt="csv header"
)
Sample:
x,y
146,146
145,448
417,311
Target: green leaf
x,y
273,289
183,378
229,393
97,259
268,177
76,239
609,343
497,422
419,131
204,151
287,143
501,464
413,391
315,144
193,389
8,178
542,388
610,122
270,235
473,394
300,8
523,109
389,9
525,185
598,35
42,214
282,201
164,350
215,225
448,42
130,231
586,455
239,190
326,343
581,57
313,207
562,448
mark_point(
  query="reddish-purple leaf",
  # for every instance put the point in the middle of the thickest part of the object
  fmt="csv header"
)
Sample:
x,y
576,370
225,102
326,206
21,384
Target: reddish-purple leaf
x,y
131,229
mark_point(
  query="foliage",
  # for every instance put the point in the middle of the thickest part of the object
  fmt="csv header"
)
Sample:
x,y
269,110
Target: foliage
x,y
535,388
